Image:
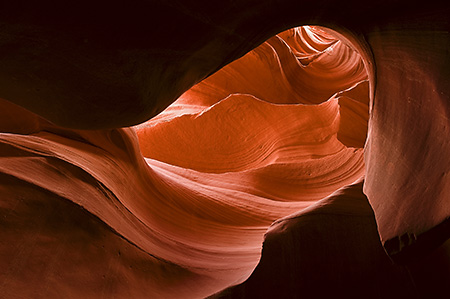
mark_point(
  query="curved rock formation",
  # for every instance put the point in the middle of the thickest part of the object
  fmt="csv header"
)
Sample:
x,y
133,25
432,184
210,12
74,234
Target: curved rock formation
x,y
348,255
178,206
201,200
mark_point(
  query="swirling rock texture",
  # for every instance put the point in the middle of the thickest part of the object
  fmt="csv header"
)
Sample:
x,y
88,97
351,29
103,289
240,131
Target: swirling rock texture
x,y
273,146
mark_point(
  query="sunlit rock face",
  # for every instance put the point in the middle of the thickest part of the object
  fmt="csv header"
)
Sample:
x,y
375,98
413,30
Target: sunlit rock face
x,y
185,202
181,205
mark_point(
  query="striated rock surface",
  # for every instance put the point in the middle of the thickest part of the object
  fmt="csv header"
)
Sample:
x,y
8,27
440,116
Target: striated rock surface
x,y
186,201
178,206
333,242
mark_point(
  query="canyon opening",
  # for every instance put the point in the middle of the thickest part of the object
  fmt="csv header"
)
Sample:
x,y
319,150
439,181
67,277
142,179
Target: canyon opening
x,y
167,149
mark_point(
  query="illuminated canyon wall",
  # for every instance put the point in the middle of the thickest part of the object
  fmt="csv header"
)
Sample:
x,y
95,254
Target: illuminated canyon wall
x,y
267,179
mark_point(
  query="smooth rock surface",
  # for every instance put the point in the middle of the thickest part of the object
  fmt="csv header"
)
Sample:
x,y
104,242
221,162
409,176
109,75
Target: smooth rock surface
x,y
177,206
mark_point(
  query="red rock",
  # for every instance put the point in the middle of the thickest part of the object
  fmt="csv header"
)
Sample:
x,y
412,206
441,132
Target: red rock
x,y
178,206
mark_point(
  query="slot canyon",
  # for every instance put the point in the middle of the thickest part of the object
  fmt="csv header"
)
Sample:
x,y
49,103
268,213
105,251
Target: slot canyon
x,y
224,149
